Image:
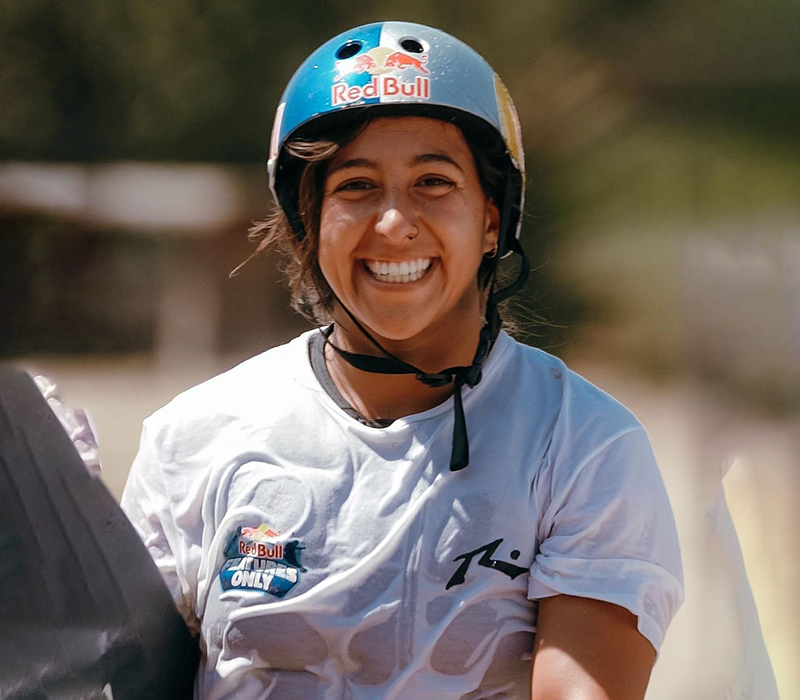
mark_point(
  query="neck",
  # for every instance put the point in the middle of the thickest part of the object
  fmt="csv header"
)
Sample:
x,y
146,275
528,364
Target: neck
x,y
392,396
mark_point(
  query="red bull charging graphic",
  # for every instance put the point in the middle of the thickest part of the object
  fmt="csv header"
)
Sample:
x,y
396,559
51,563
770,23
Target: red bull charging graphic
x,y
393,73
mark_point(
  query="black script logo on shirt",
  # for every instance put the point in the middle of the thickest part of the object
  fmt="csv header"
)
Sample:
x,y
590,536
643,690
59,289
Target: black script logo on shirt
x,y
487,551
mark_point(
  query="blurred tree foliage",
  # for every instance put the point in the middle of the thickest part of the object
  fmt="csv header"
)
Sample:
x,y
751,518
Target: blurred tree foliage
x,y
198,79
647,123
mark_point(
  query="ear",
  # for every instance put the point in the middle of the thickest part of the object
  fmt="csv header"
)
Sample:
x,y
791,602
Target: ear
x,y
491,226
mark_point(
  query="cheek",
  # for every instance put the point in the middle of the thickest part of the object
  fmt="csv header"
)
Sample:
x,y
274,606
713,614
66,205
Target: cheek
x,y
332,238
329,260
338,226
335,253
468,237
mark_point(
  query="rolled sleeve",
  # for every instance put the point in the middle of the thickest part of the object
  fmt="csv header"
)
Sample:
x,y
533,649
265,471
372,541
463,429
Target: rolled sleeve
x,y
608,533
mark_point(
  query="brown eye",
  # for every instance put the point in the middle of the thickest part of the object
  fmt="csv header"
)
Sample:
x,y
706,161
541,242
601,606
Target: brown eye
x,y
434,181
355,186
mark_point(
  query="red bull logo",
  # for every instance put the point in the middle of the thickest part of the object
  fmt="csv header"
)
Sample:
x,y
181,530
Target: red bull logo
x,y
255,542
390,76
261,532
254,562
402,60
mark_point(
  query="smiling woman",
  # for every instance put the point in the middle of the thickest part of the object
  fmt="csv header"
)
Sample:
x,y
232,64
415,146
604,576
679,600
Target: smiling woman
x,y
311,294
407,189
406,502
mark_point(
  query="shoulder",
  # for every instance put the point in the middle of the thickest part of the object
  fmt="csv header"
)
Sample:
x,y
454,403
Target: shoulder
x,y
572,406
592,441
257,390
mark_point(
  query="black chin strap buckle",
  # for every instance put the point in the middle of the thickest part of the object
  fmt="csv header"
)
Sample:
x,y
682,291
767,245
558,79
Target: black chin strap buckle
x,y
473,376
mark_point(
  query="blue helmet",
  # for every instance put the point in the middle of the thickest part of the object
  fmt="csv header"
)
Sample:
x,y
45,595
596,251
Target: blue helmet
x,y
400,68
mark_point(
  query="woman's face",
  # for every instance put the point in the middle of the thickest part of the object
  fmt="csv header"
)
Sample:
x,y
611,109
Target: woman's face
x,y
403,228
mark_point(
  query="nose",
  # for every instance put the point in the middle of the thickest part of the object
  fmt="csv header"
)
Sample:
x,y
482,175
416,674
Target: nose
x,y
396,223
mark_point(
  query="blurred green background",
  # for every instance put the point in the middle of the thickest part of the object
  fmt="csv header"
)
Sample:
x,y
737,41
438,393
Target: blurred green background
x,y
663,143
663,214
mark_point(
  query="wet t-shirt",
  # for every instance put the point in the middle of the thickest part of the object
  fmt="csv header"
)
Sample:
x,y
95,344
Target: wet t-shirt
x,y
320,557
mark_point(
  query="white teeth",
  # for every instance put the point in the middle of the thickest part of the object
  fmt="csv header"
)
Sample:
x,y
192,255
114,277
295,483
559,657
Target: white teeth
x,y
406,271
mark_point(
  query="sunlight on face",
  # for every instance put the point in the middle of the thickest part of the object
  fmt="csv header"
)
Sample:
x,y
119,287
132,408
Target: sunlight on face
x,y
404,226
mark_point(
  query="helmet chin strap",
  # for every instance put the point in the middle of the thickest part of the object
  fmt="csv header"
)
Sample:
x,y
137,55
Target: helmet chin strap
x,y
469,375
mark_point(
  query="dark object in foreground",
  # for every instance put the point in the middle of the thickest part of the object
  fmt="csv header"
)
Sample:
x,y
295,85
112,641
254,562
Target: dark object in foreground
x,y
84,612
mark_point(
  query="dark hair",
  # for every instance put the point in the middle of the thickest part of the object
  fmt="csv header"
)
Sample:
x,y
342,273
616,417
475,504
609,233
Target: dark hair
x,y
310,294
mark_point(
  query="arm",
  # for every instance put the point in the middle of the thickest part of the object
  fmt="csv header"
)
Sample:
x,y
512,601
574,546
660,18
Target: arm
x,y
589,650
146,503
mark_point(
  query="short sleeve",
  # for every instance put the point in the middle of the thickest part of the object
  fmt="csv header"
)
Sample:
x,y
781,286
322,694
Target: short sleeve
x,y
607,531
147,506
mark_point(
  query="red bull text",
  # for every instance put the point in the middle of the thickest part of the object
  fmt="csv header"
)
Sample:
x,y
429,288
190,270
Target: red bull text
x,y
381,86
260,549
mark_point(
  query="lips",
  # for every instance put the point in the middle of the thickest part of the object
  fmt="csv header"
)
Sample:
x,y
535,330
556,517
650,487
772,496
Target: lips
x,y
398,272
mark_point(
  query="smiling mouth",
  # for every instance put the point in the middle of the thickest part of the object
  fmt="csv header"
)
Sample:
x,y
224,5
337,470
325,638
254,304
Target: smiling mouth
x,y
398,273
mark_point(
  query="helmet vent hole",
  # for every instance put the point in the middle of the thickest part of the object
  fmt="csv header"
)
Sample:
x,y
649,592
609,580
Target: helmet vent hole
x,y
348,50
412,45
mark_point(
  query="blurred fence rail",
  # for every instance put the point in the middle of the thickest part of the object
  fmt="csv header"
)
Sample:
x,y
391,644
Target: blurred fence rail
x,y
166,199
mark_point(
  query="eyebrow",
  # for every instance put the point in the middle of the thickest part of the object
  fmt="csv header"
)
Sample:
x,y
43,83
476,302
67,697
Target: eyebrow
x,y
417,160
435,158
352,163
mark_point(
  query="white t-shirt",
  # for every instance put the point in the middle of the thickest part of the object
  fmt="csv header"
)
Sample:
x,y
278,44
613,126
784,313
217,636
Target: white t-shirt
x,y
323,558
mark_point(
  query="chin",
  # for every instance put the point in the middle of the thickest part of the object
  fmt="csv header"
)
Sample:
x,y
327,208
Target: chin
x,y
396,331
394,326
